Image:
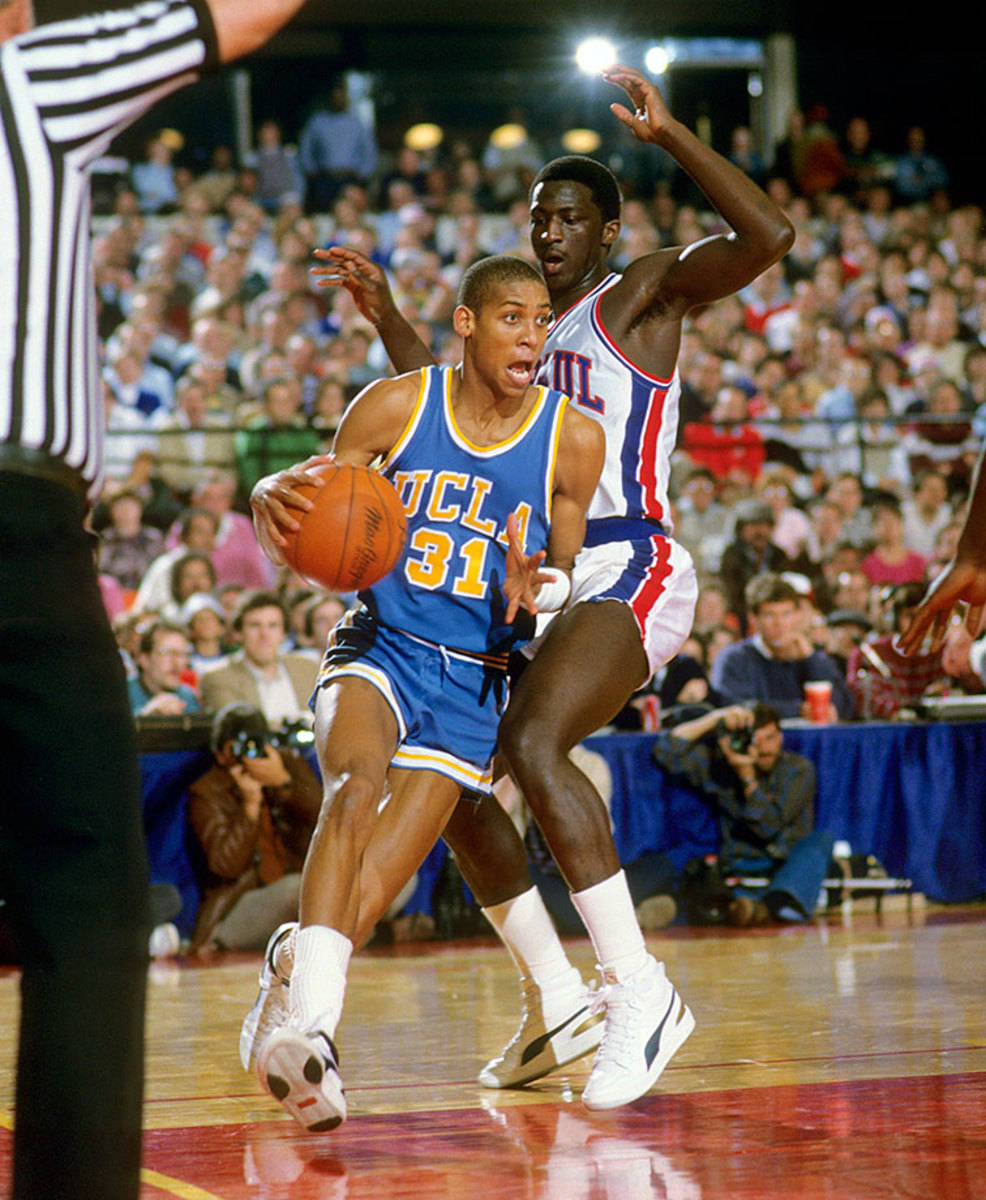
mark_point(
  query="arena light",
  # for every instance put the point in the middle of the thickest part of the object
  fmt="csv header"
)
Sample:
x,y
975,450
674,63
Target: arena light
x,y
581,141
424,136
508,136
595,55
657,60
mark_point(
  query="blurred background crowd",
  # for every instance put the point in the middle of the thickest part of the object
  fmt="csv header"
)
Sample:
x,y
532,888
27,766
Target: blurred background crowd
x,y
831,413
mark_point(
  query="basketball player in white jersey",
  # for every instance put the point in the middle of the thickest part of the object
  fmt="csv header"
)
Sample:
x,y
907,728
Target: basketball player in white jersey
x,y
614,346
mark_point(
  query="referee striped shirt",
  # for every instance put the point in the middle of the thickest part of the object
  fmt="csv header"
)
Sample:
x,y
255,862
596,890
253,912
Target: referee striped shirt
x,y
66,90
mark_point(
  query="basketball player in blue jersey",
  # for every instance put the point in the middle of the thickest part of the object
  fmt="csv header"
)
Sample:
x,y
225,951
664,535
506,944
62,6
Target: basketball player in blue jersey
x,y
615,344
496,474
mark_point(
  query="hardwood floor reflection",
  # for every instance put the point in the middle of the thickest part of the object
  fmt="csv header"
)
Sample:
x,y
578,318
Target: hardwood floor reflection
x,y
836,1060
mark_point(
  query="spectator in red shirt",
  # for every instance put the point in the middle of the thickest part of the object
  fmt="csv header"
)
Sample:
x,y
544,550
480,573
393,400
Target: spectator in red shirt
x,y
728,447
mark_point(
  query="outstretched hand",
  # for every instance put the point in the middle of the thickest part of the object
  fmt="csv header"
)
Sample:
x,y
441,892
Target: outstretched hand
x,y
277,505
650,116
961,581
364,279
523,574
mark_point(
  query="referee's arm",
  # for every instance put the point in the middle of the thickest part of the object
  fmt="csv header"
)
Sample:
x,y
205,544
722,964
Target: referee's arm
x,y
241,25
244,25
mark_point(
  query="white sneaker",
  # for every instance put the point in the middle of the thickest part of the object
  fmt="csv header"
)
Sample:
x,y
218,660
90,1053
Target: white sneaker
x,y
165,941
557,1027
646,1022
301,1070
270,1009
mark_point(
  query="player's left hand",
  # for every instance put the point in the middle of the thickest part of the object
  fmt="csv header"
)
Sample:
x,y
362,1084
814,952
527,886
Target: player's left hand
x,y
523,574
650,117
364,279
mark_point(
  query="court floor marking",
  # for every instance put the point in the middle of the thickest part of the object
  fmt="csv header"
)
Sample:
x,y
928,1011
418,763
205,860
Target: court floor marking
x,y
175,1187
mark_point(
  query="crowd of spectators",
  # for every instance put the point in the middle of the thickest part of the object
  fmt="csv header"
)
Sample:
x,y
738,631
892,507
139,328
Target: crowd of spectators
x,y
831,412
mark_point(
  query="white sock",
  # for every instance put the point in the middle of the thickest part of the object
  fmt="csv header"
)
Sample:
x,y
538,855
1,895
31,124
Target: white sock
x,y
318,981
607,912
526,929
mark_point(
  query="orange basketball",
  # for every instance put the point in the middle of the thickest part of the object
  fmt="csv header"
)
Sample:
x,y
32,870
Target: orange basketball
x,y
354,534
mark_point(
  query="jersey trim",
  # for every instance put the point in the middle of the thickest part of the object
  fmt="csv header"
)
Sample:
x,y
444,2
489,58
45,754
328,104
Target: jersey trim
x,y
600,328
496,448
413,421
549,476
597,291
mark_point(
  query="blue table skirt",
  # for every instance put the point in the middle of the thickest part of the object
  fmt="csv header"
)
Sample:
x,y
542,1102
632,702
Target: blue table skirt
x,y
913,795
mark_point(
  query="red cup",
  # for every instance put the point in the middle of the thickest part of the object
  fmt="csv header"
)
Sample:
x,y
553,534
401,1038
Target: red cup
x,y
818,693
650,713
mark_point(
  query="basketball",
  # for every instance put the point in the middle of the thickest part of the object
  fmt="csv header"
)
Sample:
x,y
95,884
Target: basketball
x,y
354,534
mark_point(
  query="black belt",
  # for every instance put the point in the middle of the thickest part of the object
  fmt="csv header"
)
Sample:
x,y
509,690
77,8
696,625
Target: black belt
x,y
22,460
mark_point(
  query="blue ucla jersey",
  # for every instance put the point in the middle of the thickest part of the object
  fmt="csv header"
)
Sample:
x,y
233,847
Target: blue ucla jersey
x,y
638,412
447,586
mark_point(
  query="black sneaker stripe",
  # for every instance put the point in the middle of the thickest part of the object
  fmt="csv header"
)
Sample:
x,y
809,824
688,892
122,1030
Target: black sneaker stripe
x,y
331,1061
534,1048
653,1046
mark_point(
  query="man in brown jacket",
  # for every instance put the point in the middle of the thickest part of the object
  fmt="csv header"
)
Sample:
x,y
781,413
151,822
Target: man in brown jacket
x,y
253,813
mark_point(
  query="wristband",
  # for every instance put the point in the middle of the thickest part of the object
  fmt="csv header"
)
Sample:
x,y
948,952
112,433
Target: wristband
x,y
551,596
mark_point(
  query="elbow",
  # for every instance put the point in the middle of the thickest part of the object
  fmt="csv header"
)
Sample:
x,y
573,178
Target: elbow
x,y
782,238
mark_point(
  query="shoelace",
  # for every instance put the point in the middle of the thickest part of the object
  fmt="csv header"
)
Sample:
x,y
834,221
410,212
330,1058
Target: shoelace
x,y
620,1003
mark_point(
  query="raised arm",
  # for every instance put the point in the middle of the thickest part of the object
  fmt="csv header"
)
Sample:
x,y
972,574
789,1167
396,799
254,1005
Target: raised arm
x,y
719,265
367,283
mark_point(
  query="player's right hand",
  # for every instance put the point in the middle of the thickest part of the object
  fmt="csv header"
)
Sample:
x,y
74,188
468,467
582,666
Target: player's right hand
x,y
275,503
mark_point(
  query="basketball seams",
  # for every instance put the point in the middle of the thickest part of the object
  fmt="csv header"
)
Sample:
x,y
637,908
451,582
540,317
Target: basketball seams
x,y
395,531
347,527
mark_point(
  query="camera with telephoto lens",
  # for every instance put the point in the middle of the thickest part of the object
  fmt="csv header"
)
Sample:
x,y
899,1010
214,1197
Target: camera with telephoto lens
x,y
247,745
740,739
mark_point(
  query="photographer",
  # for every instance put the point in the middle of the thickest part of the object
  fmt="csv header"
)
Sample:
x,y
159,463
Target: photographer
x,y
253,813
764,798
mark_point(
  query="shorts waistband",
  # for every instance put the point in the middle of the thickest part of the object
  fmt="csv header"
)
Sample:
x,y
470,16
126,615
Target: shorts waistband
x,y
22,460
498,661
621,529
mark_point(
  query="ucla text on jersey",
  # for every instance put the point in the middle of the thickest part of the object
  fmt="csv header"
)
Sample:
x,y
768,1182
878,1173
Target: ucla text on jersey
x,y
457,517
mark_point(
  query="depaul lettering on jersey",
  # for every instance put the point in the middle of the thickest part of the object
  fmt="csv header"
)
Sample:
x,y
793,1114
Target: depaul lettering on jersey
x,y
568,371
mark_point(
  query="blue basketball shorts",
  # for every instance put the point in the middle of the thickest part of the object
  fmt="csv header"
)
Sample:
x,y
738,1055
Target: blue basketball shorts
x,y
447,704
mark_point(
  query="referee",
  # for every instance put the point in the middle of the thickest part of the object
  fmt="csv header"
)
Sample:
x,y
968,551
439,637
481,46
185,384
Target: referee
x,y
73,871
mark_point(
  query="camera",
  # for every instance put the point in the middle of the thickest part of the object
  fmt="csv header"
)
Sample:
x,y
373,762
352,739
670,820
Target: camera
x,y
248,745
294,735
740,739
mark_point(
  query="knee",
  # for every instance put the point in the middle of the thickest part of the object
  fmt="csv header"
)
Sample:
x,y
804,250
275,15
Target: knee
x,y
528,746
350,803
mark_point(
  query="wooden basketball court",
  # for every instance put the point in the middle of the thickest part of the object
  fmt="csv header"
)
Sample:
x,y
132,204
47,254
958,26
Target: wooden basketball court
x,y
845,1061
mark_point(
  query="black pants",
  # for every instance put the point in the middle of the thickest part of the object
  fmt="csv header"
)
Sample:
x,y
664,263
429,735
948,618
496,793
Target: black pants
x,y
73,867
